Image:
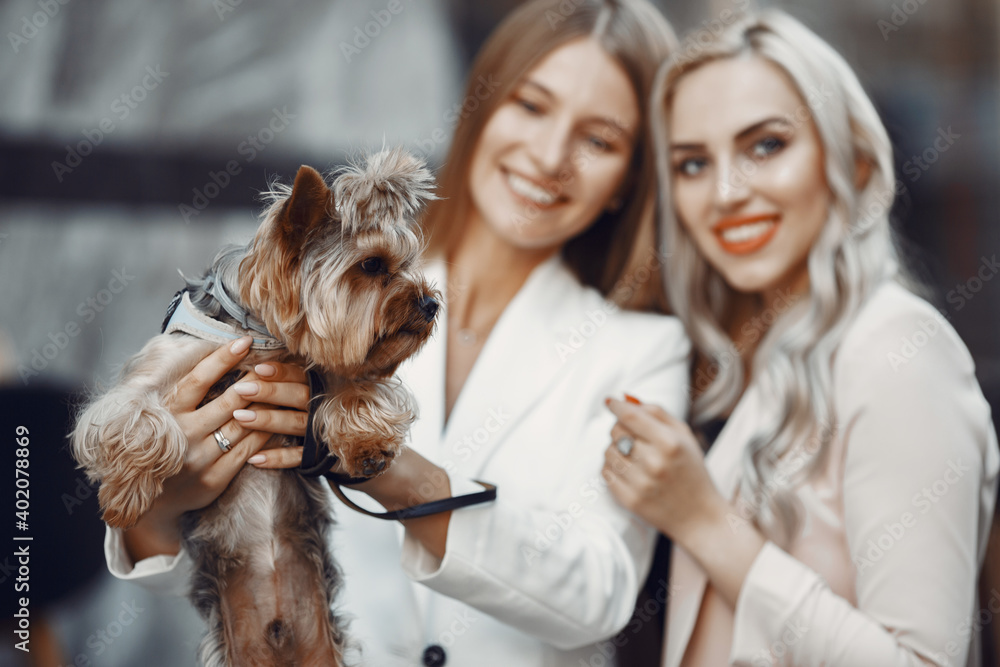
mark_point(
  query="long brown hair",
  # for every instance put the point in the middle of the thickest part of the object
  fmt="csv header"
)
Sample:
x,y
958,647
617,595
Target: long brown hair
x,y
638,37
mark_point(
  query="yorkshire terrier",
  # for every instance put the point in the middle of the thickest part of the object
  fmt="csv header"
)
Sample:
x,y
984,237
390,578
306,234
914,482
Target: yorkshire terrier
x,y
330,282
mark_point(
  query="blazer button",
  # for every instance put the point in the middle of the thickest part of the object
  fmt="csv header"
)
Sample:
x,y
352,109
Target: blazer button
x,y
434,656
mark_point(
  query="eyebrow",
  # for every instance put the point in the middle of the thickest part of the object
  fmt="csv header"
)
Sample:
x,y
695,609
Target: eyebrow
x,y
742,134
610,122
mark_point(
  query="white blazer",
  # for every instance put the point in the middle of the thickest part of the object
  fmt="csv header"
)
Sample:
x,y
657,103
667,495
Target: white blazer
x,y
895,526
554,565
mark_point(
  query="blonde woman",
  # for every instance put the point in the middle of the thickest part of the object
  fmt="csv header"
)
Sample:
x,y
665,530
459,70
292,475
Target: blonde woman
x,y
547,190
841,516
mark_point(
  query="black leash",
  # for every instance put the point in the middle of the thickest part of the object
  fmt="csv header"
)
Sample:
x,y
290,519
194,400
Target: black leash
x,y
313,465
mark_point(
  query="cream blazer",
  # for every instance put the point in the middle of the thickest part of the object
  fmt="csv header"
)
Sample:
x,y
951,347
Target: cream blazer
x,y
895,529
551,568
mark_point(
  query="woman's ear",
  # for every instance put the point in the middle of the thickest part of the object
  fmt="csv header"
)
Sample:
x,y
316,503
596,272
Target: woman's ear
x,y
862,171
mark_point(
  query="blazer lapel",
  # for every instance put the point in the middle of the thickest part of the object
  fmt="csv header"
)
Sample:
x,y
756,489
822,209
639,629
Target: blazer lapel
x,y
517,363
688,580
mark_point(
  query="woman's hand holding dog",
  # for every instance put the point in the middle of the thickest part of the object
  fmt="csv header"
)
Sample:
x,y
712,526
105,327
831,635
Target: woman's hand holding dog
x,y
245,415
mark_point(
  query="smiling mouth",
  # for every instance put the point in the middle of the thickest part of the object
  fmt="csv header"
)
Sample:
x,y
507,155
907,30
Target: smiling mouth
x,y
529,190
742,236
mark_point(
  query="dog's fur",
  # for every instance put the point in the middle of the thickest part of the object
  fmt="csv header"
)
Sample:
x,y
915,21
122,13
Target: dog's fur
x,y
265,579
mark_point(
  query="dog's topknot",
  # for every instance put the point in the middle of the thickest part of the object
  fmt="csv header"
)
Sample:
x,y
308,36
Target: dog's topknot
x,y
382,189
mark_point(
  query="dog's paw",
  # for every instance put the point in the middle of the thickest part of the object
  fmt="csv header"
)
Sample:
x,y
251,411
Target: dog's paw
x,y
365,461
365,426
132,445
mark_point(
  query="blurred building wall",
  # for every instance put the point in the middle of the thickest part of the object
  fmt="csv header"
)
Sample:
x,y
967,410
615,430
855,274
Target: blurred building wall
x,y
115,115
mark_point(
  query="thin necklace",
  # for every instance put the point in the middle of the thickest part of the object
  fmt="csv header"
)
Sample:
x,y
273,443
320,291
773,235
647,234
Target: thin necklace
x,y
471,337
467,336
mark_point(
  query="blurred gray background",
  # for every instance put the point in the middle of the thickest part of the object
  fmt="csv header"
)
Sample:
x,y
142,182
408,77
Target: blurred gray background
x,y
134,136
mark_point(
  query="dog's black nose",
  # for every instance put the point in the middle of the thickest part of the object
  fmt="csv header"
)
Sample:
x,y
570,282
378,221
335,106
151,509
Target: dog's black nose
x,y
428,306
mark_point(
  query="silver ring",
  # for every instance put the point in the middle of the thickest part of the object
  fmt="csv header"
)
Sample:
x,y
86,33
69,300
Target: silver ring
x,y
223,441
625,445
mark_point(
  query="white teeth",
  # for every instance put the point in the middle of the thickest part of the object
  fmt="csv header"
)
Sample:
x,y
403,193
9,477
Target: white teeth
x,y
747,232
529,190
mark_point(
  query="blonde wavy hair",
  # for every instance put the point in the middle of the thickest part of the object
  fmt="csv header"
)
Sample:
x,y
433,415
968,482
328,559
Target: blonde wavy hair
x,y
854,253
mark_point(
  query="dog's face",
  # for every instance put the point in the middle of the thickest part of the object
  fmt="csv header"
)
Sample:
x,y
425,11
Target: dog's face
x,y
333,272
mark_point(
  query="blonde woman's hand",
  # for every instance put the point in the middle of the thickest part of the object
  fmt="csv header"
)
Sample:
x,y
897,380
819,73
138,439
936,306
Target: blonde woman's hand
x,y
663,479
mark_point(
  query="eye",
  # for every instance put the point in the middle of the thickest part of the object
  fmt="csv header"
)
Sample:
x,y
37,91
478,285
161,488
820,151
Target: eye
x,y
597,143
528,105
767,146
374,265
690,166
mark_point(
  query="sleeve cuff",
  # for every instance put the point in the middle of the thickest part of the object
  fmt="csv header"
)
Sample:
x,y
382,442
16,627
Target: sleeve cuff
x,y
423,566
160,574
768,603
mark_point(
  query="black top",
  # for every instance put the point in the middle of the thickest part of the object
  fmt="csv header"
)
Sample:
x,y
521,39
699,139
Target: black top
x,y
640,644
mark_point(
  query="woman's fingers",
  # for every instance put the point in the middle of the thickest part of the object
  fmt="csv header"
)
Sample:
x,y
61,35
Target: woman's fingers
x,y
192,388
221,473
288,394
264,417
274,371
207,450
278,457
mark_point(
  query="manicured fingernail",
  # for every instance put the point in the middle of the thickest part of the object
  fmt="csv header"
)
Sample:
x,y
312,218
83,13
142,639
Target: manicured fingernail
x,y
246,388
633,400
607,401
265,370
257,458
241,345
244,415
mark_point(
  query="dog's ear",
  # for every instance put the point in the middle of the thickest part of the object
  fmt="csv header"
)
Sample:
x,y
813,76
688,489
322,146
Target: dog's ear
x,y
309,206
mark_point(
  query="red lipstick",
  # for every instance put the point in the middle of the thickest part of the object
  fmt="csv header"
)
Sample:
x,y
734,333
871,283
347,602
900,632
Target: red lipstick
x,y
748,245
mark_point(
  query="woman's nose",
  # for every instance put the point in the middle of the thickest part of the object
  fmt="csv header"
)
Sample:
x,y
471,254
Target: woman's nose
x,y
549,147
732,184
